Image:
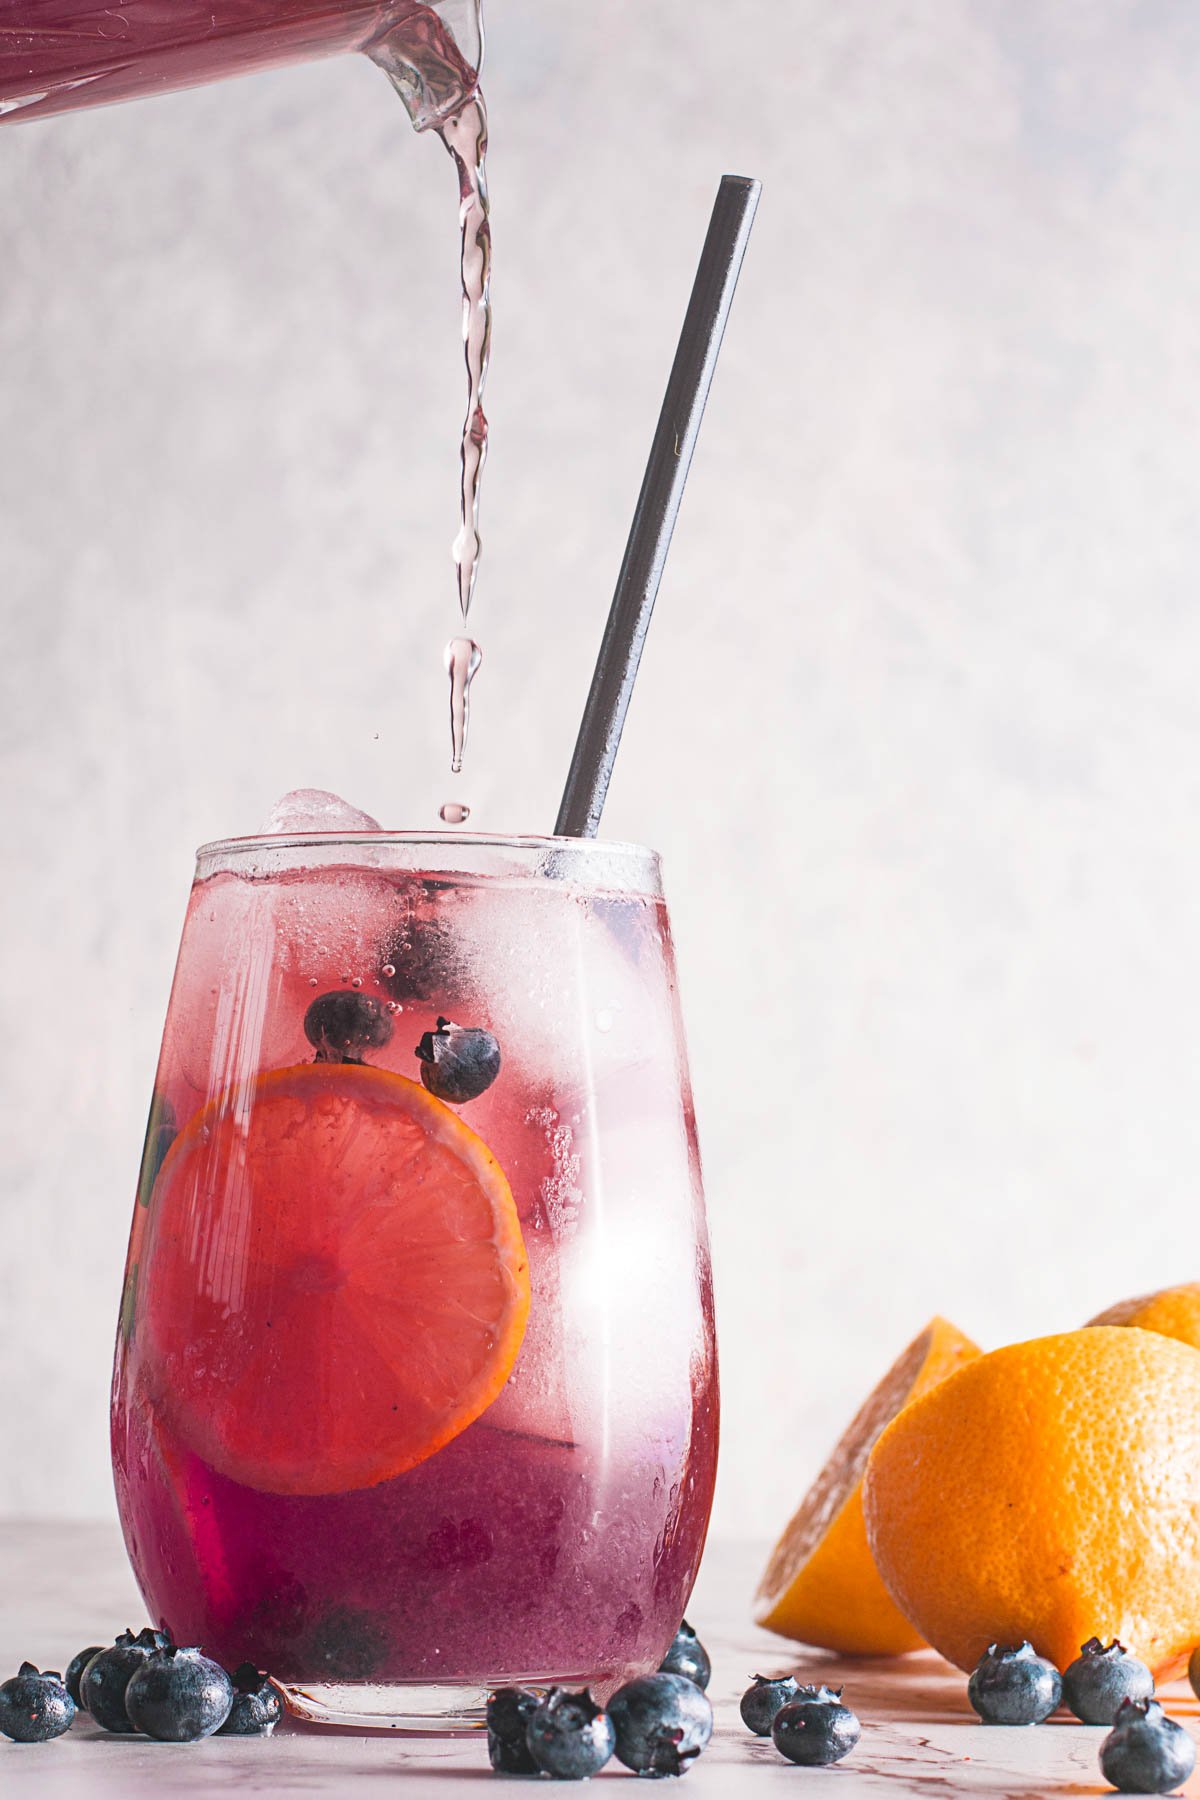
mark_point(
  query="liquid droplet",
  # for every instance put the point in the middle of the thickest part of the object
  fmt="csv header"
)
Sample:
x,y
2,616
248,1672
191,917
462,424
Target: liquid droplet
x,y
453,813
462,658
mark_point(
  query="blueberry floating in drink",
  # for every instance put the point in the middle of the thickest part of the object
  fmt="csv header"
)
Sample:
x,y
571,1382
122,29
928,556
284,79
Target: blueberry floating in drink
x,y
687,1656
1012,1685
458,1062
106,1678
257,1707
35,1706
342,1025
178,1696
1100,1678
662,1723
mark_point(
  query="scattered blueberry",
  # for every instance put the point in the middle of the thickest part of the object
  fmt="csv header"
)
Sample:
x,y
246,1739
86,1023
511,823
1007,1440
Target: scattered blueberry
x,y
569,1736
257,1707
75,1669
458,1062
35,1707
342,1024
762,1700
509,1711
178,1696
1145,1752
104,1681
662,1722
1100,1678
815,1731
1013,1685
687,1656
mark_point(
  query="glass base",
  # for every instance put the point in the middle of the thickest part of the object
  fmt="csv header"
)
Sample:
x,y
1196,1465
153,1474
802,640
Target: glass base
x,y
439,1709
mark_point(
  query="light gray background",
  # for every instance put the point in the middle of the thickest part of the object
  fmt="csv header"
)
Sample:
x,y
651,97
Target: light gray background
x,y
917,728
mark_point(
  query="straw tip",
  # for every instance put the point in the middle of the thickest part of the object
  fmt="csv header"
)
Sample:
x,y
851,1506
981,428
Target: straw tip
x,y
747,183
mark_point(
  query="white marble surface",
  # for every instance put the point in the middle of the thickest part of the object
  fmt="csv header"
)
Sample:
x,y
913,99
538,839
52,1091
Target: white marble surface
x,y
64,1586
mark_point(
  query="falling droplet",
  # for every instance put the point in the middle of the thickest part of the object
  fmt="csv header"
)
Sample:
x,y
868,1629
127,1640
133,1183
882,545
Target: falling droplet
x,y
453,813
462,657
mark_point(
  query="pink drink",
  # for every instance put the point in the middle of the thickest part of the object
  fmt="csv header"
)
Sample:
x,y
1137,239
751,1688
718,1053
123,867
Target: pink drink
x,y
57,55
557,1536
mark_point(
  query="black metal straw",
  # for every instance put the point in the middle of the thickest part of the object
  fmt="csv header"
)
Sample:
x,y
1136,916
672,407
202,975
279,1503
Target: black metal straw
x,y
657,507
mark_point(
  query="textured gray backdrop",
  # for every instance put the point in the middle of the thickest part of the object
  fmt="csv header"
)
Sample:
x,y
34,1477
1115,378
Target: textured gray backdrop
x,y
917,730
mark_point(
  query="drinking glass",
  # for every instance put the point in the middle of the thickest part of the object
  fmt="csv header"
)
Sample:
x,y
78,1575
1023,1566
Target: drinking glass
x,y
415,1395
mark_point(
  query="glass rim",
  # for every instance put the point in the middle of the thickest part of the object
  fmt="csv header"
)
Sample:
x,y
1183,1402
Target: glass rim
x,y
476,840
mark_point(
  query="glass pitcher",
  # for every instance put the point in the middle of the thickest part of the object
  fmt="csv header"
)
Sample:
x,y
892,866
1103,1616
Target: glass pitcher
x,y
416,1382
58,55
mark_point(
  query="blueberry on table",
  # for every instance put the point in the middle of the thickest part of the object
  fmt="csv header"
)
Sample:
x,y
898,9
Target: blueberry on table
x,y
35,1706
104,1681
75,1669
1101,1676
1013,1685
458,1062
687,1656
1145,1752
257,1707
768,1693
815,1732
569,1736
662,1723
763,1699
342,1024
178,1696
509,1711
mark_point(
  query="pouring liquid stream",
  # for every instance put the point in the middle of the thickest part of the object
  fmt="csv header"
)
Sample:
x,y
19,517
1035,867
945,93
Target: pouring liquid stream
x,y
465,137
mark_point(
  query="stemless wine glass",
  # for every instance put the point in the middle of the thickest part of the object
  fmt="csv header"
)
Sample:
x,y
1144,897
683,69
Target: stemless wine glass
x,y
417,1395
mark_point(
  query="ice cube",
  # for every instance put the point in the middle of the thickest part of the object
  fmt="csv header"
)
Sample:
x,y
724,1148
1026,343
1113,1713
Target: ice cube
x,y
314,809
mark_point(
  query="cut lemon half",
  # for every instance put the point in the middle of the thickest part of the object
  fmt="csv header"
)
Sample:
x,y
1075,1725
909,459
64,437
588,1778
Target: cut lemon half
x,y
821,1585
333,1280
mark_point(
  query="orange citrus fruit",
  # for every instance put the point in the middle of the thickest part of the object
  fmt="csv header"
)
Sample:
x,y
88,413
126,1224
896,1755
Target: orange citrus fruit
x,y
1174,1311
821,1585
1048,1491
333,1280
